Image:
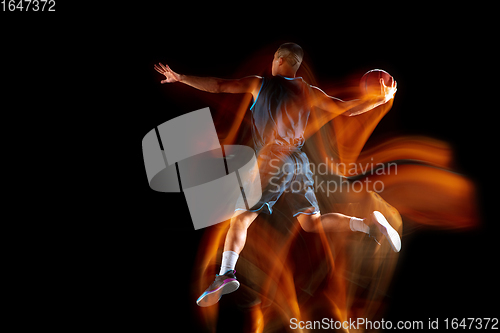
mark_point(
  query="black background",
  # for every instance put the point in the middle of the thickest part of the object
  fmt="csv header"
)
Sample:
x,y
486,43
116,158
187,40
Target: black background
x,y
128,252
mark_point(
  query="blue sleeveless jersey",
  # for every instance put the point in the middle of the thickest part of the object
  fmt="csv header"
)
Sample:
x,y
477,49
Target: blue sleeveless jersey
x,y
280,112
279,118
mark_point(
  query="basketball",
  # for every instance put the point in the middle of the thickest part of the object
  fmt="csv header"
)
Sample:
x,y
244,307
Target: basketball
x,y
370,82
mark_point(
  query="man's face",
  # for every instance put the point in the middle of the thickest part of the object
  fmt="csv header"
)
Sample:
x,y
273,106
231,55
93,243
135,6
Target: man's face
x,y
276,62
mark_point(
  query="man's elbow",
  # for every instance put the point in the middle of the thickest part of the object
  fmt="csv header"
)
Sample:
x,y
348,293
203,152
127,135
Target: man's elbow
x,y
215,87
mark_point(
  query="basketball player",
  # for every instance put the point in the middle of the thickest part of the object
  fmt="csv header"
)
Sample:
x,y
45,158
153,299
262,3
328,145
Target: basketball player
x,y
280,111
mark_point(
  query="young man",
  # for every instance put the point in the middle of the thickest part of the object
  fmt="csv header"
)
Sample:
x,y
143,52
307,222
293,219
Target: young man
x,y
280,111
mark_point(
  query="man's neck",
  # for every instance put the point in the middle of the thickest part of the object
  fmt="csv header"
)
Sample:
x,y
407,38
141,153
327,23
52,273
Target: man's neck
x,y
287,74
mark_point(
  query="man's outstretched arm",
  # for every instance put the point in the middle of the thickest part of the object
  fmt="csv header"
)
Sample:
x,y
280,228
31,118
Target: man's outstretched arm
x,y
249,84
354,107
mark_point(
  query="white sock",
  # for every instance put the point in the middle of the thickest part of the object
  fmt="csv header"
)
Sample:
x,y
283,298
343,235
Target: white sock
x,y
229,259
358,225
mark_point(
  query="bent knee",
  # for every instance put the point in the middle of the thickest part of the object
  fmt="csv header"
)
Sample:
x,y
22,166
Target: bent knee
x,y
242,221
309,222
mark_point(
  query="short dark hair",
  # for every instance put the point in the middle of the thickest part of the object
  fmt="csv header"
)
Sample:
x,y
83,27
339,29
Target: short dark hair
x,y
292,53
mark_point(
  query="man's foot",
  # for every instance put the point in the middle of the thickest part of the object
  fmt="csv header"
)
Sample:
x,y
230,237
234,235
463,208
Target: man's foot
x,y
379,227
223,284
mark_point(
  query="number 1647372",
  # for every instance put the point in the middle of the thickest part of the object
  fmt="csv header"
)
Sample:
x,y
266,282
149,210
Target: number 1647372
x,y
28,5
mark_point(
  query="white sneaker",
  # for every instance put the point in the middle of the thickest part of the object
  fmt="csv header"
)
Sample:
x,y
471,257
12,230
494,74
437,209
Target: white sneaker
x,y
379,226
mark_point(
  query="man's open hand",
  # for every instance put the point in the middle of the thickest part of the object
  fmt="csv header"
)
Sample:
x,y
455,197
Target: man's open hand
x,y
388,92
170,75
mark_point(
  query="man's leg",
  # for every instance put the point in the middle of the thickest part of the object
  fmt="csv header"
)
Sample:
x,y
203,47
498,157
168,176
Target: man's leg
x,y
375,226
226,282
235,240
237,233
331,222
